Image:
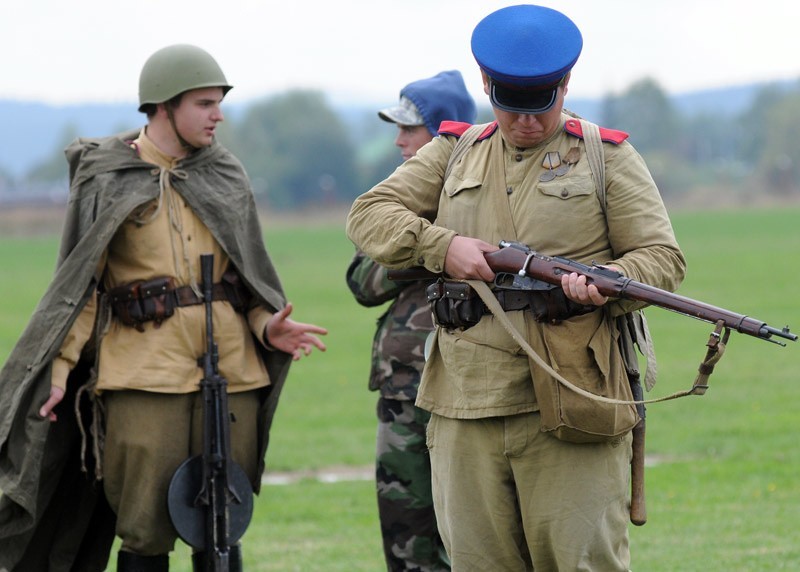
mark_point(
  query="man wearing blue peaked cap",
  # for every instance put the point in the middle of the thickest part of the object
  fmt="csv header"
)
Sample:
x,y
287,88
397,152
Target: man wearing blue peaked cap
x,y
526,52
527,473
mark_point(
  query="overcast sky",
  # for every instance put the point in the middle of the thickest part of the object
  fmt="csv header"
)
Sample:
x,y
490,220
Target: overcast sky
x,y
365,50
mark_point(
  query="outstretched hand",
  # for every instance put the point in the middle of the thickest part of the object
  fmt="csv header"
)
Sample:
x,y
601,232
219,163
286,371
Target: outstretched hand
x,y
46,410
295,338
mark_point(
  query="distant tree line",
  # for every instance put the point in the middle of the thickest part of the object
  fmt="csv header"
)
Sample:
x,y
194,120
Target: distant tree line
x,y
301,153
754,153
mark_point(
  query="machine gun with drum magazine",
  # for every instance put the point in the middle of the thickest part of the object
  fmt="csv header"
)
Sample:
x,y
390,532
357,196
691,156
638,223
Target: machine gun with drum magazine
x,y
210,497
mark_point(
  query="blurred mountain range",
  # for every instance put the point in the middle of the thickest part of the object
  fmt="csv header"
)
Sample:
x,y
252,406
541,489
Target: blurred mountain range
x,y
33,131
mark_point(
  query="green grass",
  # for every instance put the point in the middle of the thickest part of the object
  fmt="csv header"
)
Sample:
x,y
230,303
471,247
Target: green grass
x,y
725,495
722,486
325,393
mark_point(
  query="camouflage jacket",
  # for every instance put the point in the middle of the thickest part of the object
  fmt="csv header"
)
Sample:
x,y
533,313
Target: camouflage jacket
x,y
399,342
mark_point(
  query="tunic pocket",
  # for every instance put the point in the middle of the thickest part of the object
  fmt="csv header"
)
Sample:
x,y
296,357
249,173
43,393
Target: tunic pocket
x,y
460,199
456,184
568,188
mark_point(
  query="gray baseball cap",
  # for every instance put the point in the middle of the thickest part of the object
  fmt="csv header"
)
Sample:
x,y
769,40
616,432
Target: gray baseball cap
x,y
406,113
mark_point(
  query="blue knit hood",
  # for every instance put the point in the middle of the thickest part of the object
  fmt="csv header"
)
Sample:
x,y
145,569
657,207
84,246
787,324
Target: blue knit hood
x,y
443,97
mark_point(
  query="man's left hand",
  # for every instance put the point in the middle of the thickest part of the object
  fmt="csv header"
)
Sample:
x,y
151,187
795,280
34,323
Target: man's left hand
x,y
292,337
577,290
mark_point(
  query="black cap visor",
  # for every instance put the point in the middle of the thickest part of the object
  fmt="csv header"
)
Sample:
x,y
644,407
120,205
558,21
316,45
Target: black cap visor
x,y
518,99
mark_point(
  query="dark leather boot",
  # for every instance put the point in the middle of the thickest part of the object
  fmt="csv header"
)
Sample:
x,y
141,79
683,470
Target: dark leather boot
x,y
130,562
234,560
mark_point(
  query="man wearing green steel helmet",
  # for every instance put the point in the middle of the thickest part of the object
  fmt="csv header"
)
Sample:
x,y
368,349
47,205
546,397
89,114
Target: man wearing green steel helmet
x,y
117,336
175,69
172,71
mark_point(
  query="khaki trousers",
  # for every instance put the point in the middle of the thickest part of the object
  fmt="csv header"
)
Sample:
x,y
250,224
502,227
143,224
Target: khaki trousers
x,y
148,435
511,498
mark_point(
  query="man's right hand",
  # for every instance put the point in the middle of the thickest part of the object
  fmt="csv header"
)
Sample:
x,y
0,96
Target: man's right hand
x,y
464,259
46,411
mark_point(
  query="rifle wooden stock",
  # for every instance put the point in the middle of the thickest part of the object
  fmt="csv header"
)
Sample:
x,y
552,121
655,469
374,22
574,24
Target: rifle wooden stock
x,y
519,259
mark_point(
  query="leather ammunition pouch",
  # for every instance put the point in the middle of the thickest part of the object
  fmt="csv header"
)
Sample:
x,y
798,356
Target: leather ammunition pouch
x,y
456,305
155,300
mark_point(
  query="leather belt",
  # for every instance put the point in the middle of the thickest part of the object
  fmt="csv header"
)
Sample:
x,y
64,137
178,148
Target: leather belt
x,y
155,300
185,296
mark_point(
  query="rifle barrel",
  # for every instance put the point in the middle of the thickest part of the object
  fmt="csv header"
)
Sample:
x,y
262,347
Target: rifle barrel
x,y
700,310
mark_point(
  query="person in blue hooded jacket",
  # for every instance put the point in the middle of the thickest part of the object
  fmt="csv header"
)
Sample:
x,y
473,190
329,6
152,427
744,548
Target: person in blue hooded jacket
x,y
411,539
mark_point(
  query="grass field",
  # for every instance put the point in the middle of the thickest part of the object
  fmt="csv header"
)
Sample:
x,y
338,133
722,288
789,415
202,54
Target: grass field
x,y
722,485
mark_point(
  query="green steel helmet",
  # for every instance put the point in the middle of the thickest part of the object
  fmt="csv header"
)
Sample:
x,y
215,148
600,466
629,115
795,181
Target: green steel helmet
x,y
175,69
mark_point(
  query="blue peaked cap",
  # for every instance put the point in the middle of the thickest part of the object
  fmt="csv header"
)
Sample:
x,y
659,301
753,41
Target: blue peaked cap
x,y
526,45
443,97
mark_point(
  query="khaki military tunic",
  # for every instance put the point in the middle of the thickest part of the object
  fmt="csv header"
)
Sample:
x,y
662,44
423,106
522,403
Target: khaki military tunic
x,y
166,238
496,193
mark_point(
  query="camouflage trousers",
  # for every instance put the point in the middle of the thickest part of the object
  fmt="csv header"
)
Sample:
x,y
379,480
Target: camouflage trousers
x,y
411,540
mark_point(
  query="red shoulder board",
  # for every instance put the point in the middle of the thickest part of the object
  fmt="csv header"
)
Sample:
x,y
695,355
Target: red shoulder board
x,y
573,127
458,128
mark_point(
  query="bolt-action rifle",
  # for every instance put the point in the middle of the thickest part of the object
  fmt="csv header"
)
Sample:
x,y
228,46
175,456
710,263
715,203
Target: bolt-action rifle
x,y
210,497
518,267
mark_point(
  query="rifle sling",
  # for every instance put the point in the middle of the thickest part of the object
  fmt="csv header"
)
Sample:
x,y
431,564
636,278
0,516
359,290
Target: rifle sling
x,y
716,347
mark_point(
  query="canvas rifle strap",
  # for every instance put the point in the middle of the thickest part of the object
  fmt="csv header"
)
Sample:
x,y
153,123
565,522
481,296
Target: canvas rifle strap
x,y
716,347
637,326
